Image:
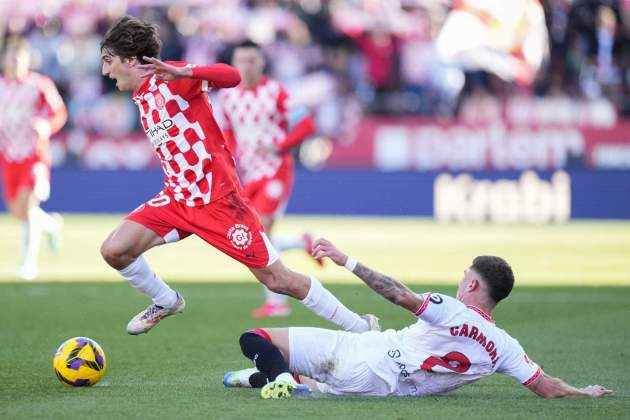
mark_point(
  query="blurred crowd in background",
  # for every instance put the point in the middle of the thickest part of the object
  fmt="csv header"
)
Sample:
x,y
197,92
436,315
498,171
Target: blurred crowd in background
x,y
475,60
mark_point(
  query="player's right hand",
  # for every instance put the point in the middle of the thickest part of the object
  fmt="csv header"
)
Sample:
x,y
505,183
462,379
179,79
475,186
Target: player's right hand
x,y
324,248
162,70
596,391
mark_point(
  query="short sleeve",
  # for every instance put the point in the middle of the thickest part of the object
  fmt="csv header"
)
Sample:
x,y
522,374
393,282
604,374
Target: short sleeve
x,y
437,308
517,364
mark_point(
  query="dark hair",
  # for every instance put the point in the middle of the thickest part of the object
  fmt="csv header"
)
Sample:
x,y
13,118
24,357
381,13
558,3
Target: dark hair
x,y
132,37
248,43
497,274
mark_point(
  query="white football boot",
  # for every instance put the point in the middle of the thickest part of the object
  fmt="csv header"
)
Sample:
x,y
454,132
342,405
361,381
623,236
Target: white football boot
x,y
147,319
27,271
239,378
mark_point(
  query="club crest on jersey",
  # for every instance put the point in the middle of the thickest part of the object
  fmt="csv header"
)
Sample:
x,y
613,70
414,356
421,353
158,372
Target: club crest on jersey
x,y
159,100
240,236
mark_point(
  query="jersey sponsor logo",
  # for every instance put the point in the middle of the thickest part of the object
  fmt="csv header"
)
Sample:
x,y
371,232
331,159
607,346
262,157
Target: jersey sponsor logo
x,y
240,236
403,371
158,134
476,334
437,299
394,354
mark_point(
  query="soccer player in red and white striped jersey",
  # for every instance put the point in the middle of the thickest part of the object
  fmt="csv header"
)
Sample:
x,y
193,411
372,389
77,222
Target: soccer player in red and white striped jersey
x,y
32,110
263,125
201,194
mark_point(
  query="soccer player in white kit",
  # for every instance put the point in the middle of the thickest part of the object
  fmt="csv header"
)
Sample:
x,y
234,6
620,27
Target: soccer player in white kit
x,y
454,342
32,110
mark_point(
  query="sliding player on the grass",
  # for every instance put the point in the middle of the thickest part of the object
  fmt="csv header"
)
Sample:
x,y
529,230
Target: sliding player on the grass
x,y
32,110
454,342
202,195
263,126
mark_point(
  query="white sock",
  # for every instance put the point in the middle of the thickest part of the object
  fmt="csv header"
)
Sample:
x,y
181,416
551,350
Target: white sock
x,y
326,305
43,220
142,277
286,377
243,376
273,298
30,243
284,243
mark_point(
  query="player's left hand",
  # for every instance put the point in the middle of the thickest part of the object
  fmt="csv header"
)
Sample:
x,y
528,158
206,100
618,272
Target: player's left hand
x,y
162,70
596,391
324,248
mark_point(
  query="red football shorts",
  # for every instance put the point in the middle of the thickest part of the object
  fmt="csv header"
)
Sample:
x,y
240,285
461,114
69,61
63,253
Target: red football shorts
x,y
229,224
269,196
26,174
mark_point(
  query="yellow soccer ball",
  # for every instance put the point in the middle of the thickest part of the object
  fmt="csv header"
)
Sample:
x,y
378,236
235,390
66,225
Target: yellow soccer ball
x,y
79,361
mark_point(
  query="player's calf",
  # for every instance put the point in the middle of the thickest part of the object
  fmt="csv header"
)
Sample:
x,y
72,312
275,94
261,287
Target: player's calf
x,y
280,279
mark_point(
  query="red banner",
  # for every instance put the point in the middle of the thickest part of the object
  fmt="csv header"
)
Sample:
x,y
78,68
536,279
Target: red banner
x,y
428,144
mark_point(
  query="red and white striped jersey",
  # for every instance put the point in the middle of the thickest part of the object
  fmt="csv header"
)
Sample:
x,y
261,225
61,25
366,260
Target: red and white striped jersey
x,y
23,103
450,345
257,117
177,118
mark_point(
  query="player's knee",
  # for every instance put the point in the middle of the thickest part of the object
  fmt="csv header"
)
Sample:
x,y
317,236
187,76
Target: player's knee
x,y
114,254
18,211
250,341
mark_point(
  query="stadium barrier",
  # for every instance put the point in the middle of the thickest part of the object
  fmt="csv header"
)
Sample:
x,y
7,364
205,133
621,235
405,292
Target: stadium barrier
x,y
499,196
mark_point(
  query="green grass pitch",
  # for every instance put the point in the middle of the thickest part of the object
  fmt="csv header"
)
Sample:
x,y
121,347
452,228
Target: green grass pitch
x,y
570,310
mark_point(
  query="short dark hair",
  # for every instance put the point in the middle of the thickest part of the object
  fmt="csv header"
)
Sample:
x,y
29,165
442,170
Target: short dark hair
x,y
248,43
132,37
497,274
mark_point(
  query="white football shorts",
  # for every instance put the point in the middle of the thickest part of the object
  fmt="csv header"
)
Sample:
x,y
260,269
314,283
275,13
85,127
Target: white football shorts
x,y
337,360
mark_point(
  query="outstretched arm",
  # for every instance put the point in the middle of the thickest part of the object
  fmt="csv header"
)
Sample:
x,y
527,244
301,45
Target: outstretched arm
x,y
390,289
298,134
549,387
217,75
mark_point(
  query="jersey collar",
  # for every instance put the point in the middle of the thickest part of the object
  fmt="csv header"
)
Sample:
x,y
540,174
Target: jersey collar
x,y
142,88
262,81
486,316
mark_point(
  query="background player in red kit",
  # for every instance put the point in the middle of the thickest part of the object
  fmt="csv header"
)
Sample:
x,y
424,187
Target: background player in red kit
x,y
262,126
32,110
201,194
